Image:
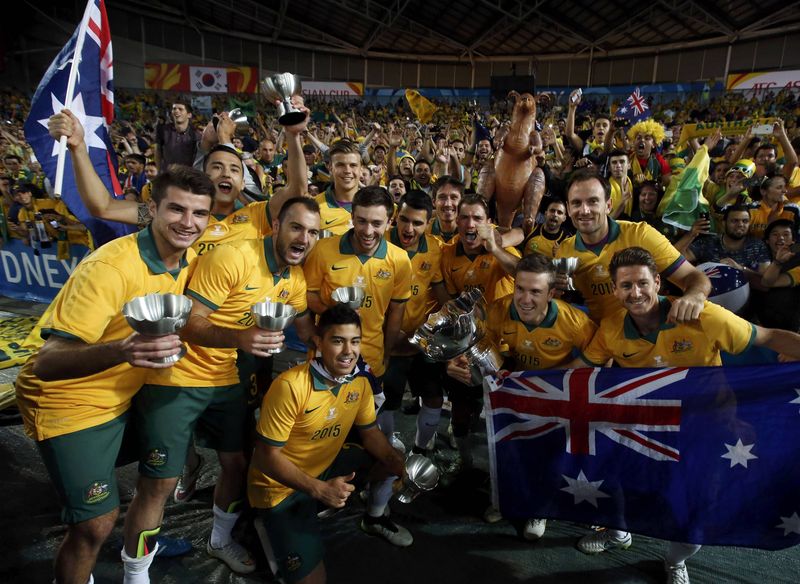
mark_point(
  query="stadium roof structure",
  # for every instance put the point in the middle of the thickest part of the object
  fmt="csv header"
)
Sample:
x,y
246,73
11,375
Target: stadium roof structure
x,y
481,30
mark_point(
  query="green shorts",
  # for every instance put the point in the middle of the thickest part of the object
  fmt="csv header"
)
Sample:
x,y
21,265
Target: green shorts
x,y
81,466
255,375
166,417
292,525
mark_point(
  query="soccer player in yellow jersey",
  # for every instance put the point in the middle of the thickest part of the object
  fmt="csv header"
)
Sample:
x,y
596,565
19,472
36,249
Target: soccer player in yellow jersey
x,y
203,388
598,237
301,458
407,363
447,192
335,204
474,259
362,256
641,334
546,237
222,164
74,394
533,331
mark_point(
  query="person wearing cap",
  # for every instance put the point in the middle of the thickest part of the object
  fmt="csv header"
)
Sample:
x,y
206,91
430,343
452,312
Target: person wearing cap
x,y
734,191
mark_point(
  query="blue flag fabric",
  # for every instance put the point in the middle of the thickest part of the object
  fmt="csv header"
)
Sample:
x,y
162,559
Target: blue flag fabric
x,y
634,108
93,105
705,455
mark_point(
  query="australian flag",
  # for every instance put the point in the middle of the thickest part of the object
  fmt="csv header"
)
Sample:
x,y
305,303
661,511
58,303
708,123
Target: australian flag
x,y
635,108
704,455
92,104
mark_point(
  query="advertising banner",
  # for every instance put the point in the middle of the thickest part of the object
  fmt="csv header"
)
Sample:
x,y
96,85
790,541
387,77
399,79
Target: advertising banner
x,y
28,276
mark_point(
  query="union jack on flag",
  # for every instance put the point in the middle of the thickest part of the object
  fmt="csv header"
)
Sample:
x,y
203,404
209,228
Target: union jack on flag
x,y
619,412
701,454
634,108
92,103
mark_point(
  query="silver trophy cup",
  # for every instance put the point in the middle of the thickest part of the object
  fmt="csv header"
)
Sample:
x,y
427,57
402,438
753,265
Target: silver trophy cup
x,y
242,125
421,476
281,87
566,266
157,315
273,316
484,359
352,296
457,326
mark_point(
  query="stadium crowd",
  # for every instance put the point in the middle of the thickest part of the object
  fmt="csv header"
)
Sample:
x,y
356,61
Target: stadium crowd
x,y
365,196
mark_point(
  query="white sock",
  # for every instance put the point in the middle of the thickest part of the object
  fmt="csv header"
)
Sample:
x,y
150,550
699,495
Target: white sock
x,y
91,579
136,569
222,528
386,423
427,424
379,495
678,553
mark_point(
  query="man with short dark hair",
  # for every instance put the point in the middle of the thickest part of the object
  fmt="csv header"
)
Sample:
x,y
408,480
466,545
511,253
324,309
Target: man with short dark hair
x,y
641,335
336,202
302,459
546,237
734,247
599,236
446,192
176,141
75,393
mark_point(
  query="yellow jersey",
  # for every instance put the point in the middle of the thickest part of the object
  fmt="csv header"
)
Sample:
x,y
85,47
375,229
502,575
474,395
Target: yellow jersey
x,y
334,216
694,344
461,272
616,197
762,215
310,421
229,281
544,346
249,222
426,270
333,263
89,309
592,278
543,242
435,229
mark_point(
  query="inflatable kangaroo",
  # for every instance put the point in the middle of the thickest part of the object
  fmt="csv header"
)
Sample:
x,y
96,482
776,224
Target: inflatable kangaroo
x,y
515,180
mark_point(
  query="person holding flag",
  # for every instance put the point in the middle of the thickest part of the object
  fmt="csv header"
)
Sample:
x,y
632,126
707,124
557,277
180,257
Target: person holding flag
x,y
80,79
640,335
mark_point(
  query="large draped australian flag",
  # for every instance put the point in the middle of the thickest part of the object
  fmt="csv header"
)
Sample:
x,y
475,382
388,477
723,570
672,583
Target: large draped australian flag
x,y
705,455
92,104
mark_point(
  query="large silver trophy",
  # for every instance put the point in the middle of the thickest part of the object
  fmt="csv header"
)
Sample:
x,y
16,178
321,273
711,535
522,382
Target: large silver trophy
x,y
281,87
273,316
459,328
566,266
158,315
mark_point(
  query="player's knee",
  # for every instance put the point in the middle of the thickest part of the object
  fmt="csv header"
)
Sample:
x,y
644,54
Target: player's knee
x,y
232,462
93,532
155,489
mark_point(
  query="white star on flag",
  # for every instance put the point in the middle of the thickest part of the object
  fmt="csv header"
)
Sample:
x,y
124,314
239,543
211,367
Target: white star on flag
x,y
623,110
797,399
790,524
739,454
90,123
583,489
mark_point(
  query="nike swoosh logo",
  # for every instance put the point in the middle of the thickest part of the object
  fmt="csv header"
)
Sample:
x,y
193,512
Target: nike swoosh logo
x,y
329,221
338,267
312,409
251,287
454,269
629,355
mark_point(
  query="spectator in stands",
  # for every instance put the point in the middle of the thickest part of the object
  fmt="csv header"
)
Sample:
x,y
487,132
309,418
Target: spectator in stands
x,y
176,142
135,177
